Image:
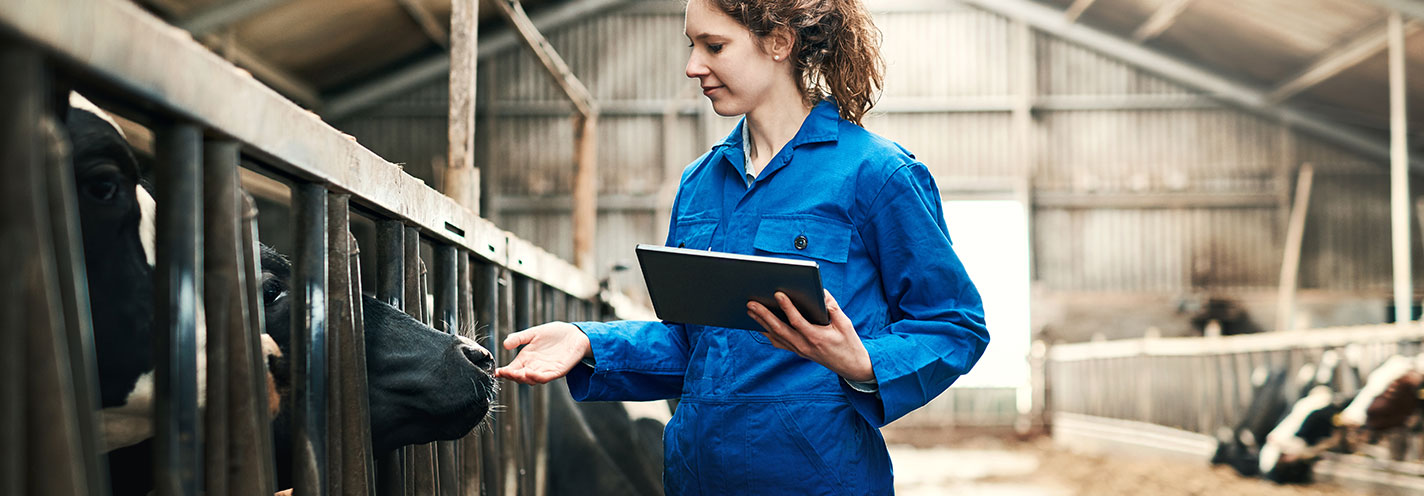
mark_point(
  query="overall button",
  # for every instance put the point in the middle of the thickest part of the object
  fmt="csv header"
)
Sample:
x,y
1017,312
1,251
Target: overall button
x,y
801,242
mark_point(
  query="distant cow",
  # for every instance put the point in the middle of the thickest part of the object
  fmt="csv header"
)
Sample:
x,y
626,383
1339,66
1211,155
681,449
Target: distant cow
x,y
1240,447
424,385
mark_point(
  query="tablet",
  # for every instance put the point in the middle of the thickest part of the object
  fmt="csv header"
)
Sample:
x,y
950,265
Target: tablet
x,y
712,289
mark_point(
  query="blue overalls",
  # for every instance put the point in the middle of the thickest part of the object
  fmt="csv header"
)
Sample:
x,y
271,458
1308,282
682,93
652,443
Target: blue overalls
x,y
755,419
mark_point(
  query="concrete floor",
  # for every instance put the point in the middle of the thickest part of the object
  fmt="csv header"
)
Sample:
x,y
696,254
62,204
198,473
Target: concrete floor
x,y
968,472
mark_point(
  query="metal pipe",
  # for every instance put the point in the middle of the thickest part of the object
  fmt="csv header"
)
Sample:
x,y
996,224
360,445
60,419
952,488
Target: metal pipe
x,y
447,319
468,453
178,290
360,480
390,288
419,459
487,298
226,315
309,341
253,441
341,327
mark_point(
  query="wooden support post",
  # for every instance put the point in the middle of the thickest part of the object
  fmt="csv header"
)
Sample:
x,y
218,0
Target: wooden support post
x,y
1290,263
462,179
1399,175
585,194
585,191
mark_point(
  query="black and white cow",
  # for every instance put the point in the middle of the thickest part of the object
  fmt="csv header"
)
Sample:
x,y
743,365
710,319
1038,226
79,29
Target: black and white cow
x,y
424,385
1311,426
1240,447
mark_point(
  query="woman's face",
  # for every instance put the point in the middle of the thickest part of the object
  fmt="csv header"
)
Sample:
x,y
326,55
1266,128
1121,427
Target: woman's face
x,y
727,60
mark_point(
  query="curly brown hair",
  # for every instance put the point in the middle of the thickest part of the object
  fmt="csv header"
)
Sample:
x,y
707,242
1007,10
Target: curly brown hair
x,y
836,51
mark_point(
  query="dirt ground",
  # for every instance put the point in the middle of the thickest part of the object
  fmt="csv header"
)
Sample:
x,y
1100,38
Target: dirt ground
x,y
995,466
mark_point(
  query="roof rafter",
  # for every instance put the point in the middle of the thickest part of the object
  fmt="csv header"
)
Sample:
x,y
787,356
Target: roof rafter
x,y
1076,10
225,14
422,16
1411,8
1237,94
1337,60
438,66
1160,20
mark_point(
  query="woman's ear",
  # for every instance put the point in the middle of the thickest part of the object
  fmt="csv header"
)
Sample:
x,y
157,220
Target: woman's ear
x,y
780,43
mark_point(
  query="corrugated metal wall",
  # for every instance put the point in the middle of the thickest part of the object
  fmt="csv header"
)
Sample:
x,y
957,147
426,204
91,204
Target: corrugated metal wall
x,y
1128,171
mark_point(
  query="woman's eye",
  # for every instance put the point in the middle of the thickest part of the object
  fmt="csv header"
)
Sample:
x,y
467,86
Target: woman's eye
x,y
714,48
102,190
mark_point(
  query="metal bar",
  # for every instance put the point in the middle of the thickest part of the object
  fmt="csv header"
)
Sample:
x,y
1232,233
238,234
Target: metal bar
x,y
39,455
179,288
468,453
390,288
487,299
549,310
511,395
309,341
419,459
252,439
1233,92
1399,175
438,66
447,319
360,466
226,314
71,272
524,308
341,328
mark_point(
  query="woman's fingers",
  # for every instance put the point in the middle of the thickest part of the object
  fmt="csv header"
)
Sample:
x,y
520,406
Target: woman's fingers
x,y
518,339
793,315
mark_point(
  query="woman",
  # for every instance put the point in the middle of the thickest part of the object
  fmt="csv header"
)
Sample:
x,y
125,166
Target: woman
x,y
795,409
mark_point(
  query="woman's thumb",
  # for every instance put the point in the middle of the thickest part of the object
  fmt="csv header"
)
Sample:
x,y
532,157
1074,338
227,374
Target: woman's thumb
x,y
518,339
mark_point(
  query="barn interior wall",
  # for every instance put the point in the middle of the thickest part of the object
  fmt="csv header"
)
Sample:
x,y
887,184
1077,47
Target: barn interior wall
x,y
1126,171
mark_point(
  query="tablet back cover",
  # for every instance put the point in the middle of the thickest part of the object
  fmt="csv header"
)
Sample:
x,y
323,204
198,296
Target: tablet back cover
x,y
712,288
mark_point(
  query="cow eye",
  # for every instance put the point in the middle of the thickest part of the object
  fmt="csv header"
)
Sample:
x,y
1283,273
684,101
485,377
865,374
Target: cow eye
x,y
102,190
272,289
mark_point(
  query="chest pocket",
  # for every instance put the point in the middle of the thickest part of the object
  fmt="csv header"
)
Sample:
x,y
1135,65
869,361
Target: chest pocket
x,y
695,234
804,236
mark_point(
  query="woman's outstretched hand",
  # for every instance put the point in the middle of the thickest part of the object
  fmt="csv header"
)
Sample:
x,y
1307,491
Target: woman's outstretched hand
x,y
836,346
552,350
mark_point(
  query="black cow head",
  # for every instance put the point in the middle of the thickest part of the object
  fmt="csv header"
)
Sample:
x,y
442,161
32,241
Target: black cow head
x,y
120,277
424,385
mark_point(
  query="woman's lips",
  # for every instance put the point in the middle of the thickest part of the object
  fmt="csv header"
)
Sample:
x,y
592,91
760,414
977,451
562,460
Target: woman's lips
x,y
707,91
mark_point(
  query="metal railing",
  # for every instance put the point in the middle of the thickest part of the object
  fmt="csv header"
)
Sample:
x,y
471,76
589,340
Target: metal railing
x,y
1173,395
210,119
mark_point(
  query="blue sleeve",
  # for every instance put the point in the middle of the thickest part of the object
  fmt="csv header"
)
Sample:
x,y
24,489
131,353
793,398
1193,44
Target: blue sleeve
x,y
633,361
936,331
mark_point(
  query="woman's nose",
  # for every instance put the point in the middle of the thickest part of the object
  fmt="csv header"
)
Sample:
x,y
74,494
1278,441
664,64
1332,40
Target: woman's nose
x,y
695,67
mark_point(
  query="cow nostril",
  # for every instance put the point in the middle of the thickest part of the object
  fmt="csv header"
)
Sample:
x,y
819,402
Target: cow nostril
x,y
479,357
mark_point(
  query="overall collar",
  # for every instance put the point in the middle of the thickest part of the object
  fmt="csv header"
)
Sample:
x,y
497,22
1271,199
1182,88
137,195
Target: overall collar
x,y
821,125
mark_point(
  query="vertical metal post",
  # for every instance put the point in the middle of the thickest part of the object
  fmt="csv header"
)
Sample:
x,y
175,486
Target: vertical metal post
x,y
538,418
420,459
360,466
524,312
252,440
487,300
45,447
309,341
78,360
224,306
508,429
469,446
179,288
341,442
447,319
1399,175
390,288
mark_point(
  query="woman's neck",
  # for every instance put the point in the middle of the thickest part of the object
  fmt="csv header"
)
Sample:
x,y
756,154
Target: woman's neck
x,y
771,125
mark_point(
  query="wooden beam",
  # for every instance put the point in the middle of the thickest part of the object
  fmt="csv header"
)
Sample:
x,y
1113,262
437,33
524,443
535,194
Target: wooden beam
x,y
1411,8
1290,261
427,22
462,180
284,82
1241,95
1337,60
1076,10
1399,175
436,66
1162,19
548,57
225,14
